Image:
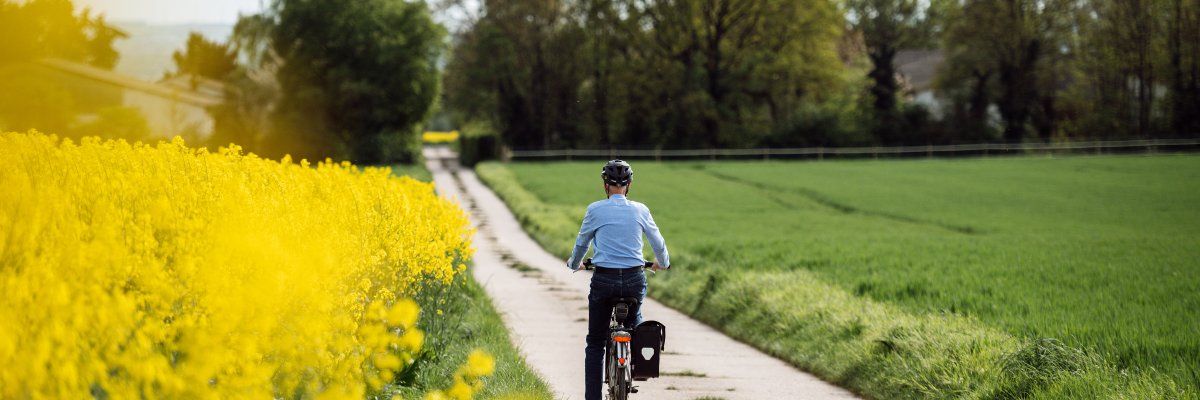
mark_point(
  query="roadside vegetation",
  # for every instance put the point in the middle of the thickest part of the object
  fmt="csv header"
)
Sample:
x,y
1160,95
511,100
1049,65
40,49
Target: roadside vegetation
x,y
992,278
462,319
414,171
164,271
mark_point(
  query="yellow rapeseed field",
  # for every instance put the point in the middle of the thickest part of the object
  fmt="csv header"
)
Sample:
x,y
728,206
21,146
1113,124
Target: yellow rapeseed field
x,y
163,271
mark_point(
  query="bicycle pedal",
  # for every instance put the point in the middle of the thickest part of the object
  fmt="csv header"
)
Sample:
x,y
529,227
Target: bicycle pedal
x,y
633,389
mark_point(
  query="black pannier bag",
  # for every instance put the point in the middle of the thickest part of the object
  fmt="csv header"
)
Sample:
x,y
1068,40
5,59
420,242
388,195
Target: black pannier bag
x,y
649,340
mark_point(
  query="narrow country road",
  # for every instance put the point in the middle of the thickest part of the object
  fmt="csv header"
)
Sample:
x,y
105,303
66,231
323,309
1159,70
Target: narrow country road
x,y
544,306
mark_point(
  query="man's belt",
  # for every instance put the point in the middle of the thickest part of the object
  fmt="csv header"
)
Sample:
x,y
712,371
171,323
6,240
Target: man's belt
x,y
604,270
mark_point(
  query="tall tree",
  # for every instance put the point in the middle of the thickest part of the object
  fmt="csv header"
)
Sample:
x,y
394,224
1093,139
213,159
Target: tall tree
x,y
738,60
601,23
357,77
690,73
888,26
36,29
966,79
610,33
52,28
671,101
251,91
1021,43
522,62
1117,65
1182,66
206,58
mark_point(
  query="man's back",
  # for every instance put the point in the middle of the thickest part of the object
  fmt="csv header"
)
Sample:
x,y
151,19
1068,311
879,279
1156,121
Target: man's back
x,y
615,226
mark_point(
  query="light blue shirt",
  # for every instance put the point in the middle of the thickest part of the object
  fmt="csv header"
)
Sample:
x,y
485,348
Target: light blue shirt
x,y
616,226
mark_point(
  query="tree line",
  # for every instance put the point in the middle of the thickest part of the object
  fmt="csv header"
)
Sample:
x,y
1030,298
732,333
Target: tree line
x,y
738,73
313,79
359,80
325,78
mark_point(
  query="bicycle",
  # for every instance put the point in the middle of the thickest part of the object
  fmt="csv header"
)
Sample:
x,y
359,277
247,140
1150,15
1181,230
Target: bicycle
x,y
618,355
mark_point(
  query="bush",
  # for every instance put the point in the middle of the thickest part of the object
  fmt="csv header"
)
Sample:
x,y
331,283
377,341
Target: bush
x,y
829,124
478,144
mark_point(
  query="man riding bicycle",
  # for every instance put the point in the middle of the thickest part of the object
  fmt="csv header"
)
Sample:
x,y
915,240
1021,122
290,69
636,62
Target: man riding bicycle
x,y
615,226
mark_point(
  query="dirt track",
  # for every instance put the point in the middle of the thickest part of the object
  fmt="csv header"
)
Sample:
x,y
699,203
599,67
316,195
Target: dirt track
x,y
544,306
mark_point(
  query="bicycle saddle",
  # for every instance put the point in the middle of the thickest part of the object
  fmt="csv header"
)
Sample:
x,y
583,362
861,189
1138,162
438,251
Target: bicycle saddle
x,y
623,300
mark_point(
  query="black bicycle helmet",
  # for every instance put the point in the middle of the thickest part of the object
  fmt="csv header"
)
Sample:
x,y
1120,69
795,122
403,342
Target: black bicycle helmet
x,y
617,173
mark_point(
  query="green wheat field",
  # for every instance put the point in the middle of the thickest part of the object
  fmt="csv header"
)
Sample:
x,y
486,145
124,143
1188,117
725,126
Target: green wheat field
x,y
1068,277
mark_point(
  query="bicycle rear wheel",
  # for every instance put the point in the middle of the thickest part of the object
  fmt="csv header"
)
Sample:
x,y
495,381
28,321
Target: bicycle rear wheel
x,y
618,388
619,376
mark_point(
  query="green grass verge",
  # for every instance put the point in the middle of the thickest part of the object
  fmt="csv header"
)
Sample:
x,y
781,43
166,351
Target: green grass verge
x,y
1011,278
468,321
414,171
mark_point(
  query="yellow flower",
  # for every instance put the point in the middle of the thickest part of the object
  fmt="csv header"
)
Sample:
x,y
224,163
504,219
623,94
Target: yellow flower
x,y
387,361
412,339
480,363
403,314
460,390
210,274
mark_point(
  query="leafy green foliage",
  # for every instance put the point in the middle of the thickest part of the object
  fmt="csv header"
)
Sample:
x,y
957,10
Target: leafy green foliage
x,y
695,73
459,318
887,26
742,73
1182,54
1000,278
37,29
251,90
205,58
477,143
1018,46
51,28
356,76
414,171
1132,54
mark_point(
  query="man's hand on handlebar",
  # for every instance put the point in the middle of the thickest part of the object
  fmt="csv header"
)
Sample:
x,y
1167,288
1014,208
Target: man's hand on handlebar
x,y
587,265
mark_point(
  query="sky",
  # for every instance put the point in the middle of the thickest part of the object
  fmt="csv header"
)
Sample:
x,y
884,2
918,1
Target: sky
x,y
173,11
222,12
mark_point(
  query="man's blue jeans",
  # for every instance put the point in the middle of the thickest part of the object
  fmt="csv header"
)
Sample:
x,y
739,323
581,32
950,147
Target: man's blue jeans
x,y
623,283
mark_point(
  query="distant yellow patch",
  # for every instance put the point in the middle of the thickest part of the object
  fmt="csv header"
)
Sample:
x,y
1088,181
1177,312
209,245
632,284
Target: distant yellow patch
x,y
439,137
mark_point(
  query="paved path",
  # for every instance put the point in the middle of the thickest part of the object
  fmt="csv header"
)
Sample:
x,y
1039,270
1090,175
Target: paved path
x,y
544,306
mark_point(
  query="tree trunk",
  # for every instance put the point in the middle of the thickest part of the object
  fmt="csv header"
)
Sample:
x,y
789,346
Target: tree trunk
x,y
1185,78
600,71
1047,118
540,96
1145,78
883,73
1175,51
712,123
979,101
1020,90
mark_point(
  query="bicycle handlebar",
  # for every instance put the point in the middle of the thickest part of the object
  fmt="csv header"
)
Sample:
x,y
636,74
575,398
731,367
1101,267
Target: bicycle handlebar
x,y
588,266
